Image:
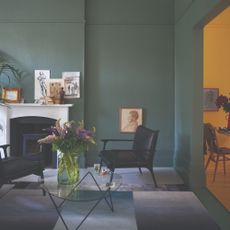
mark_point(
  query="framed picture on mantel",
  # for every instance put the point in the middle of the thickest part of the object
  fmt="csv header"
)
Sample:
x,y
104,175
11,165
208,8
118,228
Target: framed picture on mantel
x,y
11,95
71,84
41,78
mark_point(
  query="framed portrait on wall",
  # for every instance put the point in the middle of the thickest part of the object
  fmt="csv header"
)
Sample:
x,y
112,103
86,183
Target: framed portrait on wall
x,y
209,99
129,119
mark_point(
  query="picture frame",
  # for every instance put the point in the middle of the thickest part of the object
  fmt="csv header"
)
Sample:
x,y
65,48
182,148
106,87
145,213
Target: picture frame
x,y
209,99
71,84
54,87
129,119
41,78
11,95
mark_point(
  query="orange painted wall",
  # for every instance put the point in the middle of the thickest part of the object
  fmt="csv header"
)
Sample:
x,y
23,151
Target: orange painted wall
x,y
217,65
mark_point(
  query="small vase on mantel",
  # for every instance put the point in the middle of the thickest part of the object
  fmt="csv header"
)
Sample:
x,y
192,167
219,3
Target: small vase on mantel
x,y
68,169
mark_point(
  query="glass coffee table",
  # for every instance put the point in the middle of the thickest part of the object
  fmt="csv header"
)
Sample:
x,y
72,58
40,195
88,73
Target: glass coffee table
x,y
92,186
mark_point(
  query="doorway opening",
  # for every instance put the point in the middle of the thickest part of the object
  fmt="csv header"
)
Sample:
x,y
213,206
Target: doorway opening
x,y
216,82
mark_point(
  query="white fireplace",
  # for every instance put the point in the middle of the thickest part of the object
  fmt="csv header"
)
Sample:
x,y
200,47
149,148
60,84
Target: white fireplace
x,y
11,111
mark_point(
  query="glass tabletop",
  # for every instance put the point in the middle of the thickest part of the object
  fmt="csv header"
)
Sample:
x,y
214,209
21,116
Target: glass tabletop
x,y
91,186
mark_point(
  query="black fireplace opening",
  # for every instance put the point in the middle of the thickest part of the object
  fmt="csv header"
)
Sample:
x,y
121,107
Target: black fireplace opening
x,y
24,134
30,143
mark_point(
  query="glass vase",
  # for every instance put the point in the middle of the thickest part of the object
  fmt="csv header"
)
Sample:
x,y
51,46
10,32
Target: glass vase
x,y
68,169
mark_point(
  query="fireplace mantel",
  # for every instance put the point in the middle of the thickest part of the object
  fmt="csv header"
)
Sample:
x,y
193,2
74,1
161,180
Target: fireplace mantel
x,y
9,111
54,111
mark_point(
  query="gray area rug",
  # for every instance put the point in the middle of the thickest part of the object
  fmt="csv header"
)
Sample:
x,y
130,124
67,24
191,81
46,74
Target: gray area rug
x,y
122,218
27,209
151,187
171,211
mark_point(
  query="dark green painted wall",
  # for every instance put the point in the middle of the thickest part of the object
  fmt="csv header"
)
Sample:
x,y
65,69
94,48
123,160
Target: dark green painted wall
x,y
44,35
129,58
129,63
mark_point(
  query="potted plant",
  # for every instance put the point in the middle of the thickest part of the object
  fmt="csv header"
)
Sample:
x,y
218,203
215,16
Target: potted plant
x,y
8,72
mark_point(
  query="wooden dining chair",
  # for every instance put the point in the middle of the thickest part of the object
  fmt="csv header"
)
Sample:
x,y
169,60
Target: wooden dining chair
x,y
216,152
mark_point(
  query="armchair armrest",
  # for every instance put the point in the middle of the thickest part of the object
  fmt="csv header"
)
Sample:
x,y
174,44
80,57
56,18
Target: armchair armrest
x,y
105,141
4,147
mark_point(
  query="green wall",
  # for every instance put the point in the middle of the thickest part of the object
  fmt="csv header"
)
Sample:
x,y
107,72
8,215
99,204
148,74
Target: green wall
x,y
129,63
44,35
124,50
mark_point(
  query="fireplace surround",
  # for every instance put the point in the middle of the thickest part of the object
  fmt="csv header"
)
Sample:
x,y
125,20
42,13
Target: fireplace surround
x,y
22,124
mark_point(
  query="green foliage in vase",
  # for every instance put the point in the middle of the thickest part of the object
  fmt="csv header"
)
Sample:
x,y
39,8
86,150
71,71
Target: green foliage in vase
x,y
68,164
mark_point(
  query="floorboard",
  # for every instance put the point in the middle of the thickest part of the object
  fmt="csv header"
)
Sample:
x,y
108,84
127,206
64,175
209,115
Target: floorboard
x,y
220,188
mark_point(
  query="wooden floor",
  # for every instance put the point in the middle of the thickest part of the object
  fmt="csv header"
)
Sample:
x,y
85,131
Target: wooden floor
x,y
220,188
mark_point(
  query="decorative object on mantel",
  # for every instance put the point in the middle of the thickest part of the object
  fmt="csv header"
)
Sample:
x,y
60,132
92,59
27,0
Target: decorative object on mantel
x,y
71,141
54,89
11,95
71,84
44,101
62,96
40,83
224,103
48,101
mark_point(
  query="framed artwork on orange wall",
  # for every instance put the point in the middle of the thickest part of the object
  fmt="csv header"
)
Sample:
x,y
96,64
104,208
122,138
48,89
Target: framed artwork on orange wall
x,y
209,99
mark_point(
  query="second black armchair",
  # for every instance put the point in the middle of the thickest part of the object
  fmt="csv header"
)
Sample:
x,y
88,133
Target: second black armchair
x,y
140,156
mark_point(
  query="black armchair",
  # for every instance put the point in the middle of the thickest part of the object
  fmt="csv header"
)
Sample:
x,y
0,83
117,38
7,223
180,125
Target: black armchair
x,y
12,168
141,154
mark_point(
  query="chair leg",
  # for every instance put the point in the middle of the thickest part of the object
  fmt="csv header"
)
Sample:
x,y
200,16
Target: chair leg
x,y
140,170
153,176
216,166
100,165
42,181
111,177
43,192
224,162
209,159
